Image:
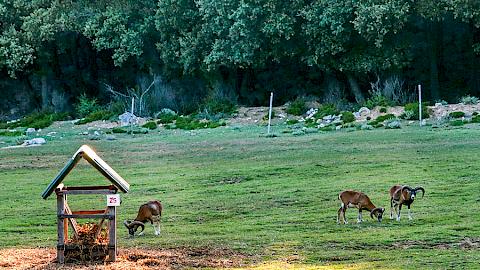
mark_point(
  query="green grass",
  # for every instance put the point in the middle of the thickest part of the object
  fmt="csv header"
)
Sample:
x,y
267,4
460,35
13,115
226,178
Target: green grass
x,y
275,197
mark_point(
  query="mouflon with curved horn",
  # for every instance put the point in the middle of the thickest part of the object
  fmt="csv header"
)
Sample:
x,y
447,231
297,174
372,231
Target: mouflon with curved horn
x,y
360,200
150,211
403,195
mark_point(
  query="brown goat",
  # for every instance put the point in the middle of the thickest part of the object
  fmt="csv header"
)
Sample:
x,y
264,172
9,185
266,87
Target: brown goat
x,y
151,211
400,195
350,199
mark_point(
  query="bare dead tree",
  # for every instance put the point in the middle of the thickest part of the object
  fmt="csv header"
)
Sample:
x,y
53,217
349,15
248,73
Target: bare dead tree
x,y
139,94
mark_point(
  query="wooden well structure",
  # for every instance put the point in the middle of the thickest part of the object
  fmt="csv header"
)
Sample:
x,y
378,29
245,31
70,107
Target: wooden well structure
x,y
66,217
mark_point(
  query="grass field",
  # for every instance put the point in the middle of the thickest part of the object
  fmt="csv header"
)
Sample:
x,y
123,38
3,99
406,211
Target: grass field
x,y
275,199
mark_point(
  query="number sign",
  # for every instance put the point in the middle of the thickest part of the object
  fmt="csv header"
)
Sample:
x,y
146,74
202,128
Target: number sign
x,y
113,200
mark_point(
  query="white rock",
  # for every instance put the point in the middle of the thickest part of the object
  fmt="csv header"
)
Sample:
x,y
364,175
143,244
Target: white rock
x,y
338,127
34,141
364,111
30,130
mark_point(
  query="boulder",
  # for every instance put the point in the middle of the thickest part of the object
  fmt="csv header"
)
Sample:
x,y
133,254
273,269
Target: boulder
x,y
364,111
127,118
34,141
30,131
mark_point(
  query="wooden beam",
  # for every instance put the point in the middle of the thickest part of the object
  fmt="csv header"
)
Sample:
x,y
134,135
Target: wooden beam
x,y
72,221
112,234
60,229
110,187
93,216
75,192
88,212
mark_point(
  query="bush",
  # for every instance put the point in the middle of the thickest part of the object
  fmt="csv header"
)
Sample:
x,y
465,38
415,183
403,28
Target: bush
x,y
469,100
10,133
37,120
382,118
118,130
393,124
414,108
348,117
377,100
475,119
86,105
297,107
456,123
292,121
150,125
190,123
95,116
457,114
326,109
265,117
383,110
165,118
219,105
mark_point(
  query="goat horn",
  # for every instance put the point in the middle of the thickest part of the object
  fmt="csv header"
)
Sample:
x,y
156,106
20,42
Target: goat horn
x,y
127,223
375,210
406,187
138,223
420,188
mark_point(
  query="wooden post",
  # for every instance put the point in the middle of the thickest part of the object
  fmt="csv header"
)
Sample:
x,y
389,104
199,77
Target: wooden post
x,y
270,113
112,234
420,103
60,228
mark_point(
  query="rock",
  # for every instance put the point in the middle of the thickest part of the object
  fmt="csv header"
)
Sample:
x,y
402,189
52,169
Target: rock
x,y
393,124
110,137
357,115
281,116
364,111
30,131
338,127
127,118
96,133
34,141
438,104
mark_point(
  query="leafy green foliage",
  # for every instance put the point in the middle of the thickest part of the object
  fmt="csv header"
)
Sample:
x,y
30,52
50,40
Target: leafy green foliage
x,y
475,119
457,114
377,100
326,109
348,117
10,133
95,116
36,120
119,130
292,121
469,100
150,125
86,105
219,105
165,118
383,110
413,107
190,123
457,123
297,107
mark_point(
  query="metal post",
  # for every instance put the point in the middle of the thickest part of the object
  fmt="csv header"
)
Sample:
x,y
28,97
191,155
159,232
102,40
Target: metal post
x,y
420,103
133,104
270,113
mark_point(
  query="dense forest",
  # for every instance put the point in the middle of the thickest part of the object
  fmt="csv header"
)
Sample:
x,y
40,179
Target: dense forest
x,y
179,54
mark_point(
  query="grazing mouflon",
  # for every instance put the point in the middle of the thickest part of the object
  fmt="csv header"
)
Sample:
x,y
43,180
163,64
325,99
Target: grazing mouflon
x,y
350,199
151,211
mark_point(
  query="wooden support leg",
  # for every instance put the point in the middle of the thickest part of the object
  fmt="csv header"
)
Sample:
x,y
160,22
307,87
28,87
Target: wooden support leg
x,y
61,228
112,234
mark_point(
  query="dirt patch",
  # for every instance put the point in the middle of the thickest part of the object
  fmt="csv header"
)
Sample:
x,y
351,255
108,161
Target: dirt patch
x,y
466,243
178,258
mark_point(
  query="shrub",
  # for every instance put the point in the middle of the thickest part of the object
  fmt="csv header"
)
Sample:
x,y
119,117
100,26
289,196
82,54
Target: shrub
x,y
86,105
382,118
392,124
190,123
469,99
297,107
10,133
326,109
474,113
456,114
456,123
292,121
408,115
475,119
165,118
219,105
37,120
383,110
150,125
118,130
377,100
348,117
95,116
414,108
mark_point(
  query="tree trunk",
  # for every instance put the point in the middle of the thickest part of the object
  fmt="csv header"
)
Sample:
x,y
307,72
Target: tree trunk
x,y
355,88
45,92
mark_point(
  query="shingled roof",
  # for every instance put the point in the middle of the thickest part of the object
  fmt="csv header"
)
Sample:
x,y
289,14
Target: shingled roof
x,y
89,155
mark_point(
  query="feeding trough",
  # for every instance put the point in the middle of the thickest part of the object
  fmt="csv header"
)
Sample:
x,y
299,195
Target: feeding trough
x,y
89,241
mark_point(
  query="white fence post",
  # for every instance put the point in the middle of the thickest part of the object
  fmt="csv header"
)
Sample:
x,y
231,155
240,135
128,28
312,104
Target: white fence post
x,y
270,113
420,103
